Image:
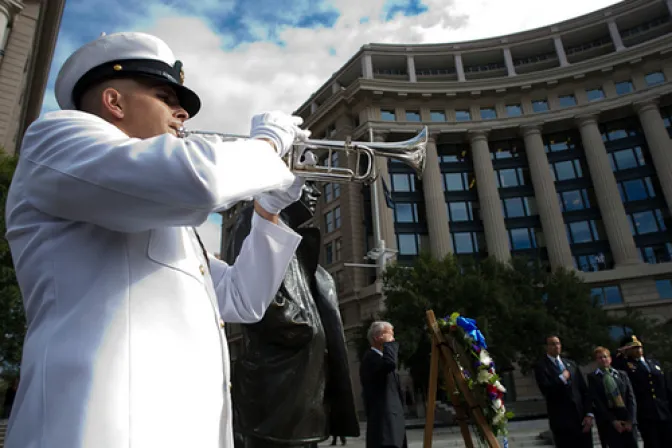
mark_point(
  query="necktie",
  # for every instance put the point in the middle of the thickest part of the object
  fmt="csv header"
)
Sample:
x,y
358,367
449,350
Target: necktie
x,y
646,366
558,363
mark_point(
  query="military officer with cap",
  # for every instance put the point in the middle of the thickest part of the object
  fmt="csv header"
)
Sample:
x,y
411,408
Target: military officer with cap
x,y
125,344
654,416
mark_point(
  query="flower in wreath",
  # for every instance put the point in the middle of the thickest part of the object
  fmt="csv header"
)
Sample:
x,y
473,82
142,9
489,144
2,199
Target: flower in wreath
x,y
471,330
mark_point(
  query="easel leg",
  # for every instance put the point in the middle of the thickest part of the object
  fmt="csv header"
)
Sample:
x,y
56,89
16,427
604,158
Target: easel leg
x,y
460,414
431,394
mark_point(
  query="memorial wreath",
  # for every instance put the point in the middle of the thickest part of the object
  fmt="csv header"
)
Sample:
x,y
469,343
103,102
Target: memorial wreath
x,y
478,369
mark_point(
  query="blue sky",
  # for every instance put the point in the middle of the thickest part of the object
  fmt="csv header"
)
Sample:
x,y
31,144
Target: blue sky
x,y
248,56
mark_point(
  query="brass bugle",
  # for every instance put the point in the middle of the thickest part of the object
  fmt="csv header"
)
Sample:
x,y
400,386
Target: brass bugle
x,y
411,152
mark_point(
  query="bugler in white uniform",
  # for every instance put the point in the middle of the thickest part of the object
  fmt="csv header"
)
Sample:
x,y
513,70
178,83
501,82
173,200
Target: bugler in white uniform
x,y
126,344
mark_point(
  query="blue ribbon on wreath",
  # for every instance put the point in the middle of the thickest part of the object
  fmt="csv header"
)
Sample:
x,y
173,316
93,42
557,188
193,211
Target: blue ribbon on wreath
x,y
470,328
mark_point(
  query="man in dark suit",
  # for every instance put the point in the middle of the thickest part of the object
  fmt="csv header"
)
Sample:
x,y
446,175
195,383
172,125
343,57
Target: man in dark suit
x,y
614,402
654,417
562,384
383,402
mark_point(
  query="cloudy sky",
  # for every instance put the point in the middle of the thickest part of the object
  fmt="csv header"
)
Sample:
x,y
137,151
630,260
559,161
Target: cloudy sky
x,y
249,56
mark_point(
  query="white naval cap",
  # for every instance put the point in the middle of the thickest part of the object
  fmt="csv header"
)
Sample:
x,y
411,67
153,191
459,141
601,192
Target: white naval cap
x,y
122,55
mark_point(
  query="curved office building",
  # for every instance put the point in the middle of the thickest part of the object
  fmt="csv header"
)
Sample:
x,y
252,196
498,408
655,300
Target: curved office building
x,y
552,143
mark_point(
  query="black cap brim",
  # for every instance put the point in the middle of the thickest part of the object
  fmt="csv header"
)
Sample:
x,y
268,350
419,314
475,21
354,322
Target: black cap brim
x,y
141,68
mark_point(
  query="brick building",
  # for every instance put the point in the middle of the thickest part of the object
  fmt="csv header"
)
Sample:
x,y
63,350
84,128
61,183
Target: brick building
x,y
28,32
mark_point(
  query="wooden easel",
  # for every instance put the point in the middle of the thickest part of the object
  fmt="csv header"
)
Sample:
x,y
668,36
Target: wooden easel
x,y
442,351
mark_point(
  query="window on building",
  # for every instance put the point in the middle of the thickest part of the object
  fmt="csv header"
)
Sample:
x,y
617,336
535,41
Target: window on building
x,y
658,253
567,169
388,115
334,159
654,78
636,189
408,243
618,332
512,177
504,151
607,295
648,221
567,100
462,115
437,115
488,113
595,94
624,87
574,200
332,251
328,254
514,110
458,181
558,143
618,130
540,105
592,262
406,212
460,211
664,288
403,182
585,231
519,207
332,219
626,159
522,238
413,115
468,242
331,192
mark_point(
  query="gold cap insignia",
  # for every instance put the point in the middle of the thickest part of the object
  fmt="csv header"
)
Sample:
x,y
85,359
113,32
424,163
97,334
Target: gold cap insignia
x,y
117,67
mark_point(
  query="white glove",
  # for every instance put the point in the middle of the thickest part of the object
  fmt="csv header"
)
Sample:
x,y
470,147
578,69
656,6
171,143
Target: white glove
x,y
277,200
280,128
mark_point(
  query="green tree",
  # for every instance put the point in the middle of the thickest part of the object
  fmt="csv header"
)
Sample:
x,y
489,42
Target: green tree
x,y
515,304
12,319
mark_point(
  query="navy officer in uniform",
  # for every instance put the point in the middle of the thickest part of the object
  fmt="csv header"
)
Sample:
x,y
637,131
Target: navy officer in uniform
x,y
124,306
654,417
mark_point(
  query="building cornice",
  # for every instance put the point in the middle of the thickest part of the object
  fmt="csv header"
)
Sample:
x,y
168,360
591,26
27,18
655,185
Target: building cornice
x,y
604,64
538,119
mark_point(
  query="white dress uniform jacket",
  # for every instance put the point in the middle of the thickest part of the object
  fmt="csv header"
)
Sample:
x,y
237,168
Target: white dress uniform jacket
x,y
126,344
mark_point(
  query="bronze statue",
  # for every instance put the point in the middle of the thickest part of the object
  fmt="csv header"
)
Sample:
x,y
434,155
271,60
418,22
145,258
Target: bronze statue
x,y
291,385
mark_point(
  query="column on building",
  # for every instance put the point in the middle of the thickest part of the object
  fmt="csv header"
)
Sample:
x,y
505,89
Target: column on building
x,y
508,59
615,35
367,66
560,50
385,213
659,144
615,220
559,252
410,68
435,203
336,87
459,67
496,236
7,11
